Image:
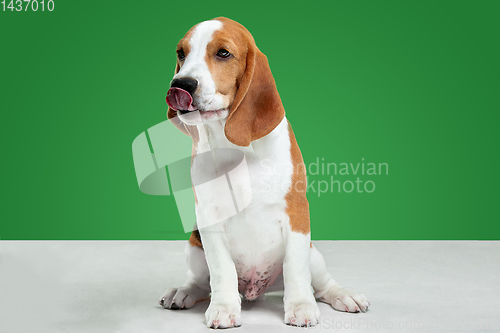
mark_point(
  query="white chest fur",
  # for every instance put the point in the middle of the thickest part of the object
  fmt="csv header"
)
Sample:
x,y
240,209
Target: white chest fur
x,y
254,236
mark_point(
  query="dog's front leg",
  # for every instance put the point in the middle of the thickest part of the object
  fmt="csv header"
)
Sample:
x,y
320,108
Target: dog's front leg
x,y
301,308
225,304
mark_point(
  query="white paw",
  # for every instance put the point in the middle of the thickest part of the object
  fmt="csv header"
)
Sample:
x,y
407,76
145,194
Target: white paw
x,y
223,315
182,298
303,314
343,299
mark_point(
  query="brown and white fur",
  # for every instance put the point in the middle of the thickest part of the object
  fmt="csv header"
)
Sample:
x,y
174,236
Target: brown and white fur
x,y
266,246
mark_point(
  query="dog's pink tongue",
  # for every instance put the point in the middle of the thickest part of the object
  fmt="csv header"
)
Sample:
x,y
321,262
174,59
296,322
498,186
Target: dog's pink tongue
x,y
180,99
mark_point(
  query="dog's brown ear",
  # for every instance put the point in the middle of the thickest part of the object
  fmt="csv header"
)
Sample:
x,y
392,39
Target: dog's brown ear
x,y
172,114
257,107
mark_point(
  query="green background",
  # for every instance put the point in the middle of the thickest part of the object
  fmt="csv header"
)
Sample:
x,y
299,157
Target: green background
x,y
412,84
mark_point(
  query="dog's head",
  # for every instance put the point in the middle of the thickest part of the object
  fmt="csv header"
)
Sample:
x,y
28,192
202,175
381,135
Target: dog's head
x,y
221,74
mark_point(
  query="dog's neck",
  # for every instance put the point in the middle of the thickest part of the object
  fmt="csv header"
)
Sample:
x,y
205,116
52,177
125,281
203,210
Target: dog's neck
x,y
211,136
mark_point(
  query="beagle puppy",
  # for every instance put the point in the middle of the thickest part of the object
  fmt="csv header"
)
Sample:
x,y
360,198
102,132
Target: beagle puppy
x,y
224,96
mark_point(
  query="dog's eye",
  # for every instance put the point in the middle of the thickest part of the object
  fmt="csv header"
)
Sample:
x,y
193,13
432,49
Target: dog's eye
x,y
223,53
181,55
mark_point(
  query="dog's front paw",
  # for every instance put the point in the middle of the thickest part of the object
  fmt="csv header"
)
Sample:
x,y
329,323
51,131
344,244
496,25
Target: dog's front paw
x,y
223,315
303,314
343,299
182,298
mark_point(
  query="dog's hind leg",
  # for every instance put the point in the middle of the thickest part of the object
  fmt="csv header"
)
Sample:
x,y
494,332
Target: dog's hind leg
x,y
197,285
327,290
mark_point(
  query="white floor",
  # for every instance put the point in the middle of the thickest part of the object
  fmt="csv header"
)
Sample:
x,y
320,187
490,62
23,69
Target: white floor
x,y
114,287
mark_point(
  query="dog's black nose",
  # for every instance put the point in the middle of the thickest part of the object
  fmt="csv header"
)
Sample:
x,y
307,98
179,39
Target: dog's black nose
x,y
186,83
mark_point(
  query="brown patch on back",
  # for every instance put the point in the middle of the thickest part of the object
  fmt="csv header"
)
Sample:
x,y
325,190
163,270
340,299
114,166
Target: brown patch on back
x,y
195,239
297,204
